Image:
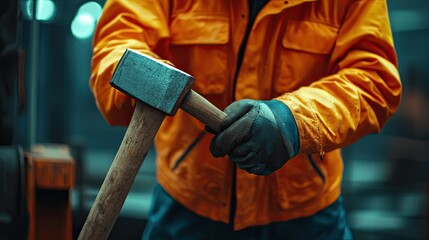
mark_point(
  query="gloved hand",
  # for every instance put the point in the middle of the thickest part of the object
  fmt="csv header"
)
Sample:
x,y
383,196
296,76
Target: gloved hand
x,y
259,136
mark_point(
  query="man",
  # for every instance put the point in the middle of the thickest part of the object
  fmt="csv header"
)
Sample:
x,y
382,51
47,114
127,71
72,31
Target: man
x,y
298,79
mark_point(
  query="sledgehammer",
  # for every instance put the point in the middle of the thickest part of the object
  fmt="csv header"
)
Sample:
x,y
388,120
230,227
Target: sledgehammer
x,y
159,90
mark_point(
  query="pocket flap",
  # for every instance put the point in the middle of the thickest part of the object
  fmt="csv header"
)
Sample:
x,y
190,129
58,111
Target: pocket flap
x,y
199,29
310,36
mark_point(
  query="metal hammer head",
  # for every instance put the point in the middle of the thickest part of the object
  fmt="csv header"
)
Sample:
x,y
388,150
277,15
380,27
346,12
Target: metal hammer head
x,y
151,81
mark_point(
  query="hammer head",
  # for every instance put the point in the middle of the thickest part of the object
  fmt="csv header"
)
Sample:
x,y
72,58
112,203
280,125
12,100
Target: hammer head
x,y
151,81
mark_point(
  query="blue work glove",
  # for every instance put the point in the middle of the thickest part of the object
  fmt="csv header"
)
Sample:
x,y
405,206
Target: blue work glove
x,y
259,136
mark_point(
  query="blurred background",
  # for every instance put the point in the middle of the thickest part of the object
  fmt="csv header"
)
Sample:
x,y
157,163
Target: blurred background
x,y
47,110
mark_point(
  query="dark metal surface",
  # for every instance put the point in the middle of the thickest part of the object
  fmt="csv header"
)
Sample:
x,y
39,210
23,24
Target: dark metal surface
x,y
13,215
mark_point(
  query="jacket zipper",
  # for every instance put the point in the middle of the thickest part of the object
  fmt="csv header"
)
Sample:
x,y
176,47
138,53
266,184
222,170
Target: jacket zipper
x,y
316,167
240,56
252,13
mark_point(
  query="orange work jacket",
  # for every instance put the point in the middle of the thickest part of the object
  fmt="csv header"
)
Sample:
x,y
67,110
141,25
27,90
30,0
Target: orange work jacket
x,y
333,63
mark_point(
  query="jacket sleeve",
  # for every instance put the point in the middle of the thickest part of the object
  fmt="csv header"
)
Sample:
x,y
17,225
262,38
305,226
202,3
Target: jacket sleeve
x,y
139,25
362,90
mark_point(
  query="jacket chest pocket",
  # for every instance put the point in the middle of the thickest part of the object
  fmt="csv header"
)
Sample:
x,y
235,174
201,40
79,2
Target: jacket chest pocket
x,y
304,54
199,47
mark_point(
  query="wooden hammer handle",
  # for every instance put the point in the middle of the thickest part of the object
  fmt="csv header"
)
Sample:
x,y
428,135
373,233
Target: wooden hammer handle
x,y
203,110
137,141
141,131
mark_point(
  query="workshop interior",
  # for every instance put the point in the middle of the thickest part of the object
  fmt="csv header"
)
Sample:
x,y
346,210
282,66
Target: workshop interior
x,y
56,148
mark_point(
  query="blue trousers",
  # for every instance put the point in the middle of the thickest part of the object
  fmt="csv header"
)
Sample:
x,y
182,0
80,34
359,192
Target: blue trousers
x,y
169,220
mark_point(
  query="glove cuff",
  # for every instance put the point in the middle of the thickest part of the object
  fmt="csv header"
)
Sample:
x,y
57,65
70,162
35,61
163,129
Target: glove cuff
x,y
286,124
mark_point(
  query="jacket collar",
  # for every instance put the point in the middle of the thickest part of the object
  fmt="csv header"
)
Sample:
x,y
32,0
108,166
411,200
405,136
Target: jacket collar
x,y
276,6
282,4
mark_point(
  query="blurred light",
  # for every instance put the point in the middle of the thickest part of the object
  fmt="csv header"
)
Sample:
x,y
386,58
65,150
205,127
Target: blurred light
x,y
92,8
83,24
375,220
45,9
409,20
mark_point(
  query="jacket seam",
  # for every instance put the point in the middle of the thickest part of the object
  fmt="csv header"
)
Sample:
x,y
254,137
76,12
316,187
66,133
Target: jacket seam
x,y
319,139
